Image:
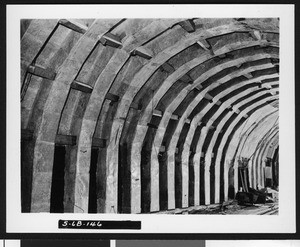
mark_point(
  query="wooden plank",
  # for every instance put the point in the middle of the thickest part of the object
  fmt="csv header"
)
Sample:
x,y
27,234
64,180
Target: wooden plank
x,y
136,106
237,111
142,52
255,34
26,134
110,40
157,113
188,25
73,25
80,86
166,67
174,117
218,102
208,97
248,76
222,56
199,87
41,72
65,140
162,149
112,97
98,142
186,79
204,44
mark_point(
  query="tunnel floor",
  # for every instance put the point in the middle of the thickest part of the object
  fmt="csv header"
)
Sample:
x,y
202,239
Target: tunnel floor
x,y
232,209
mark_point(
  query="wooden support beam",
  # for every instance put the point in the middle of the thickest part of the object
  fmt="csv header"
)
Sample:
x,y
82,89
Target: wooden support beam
x,y
98,142
142,52
188,121
157,113
26,135
166,67
222,56
239,65
186,79
267,86
41,72
218,102
208,97
110,40
162,149
112,97
174,117
136,106
203,124
274,61
204,44
237,111
248,76
255,34
199,87
188,25
80,86
72,24
65,140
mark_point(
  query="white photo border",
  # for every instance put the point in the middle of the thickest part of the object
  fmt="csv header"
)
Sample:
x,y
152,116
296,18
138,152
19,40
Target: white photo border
x,y
285,222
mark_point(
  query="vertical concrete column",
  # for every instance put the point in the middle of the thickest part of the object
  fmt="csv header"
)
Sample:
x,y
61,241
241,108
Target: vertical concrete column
x,y
42,176
226,179
70,173
217,181
27,152
185,184
196,184
171,181
154,182
250,174
207,182
136,179
236,176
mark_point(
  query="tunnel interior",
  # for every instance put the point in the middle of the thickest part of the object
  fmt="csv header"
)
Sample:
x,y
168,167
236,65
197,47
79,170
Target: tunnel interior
x,y
147,115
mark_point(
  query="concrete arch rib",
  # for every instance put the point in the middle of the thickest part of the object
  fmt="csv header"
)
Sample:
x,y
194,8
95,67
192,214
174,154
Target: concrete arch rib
x,y
46,132
142,76
31,43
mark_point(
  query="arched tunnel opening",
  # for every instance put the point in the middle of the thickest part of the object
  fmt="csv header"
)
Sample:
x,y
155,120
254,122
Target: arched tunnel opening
x,y
140,116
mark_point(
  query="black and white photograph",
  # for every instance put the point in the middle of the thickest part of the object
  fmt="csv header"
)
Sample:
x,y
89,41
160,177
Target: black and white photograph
x,y
153,116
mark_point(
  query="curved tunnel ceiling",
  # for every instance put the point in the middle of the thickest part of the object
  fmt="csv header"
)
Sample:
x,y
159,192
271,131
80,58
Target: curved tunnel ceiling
x,y
170,105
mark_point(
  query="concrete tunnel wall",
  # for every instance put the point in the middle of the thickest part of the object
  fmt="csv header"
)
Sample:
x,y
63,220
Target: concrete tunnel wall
x,y
147,114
